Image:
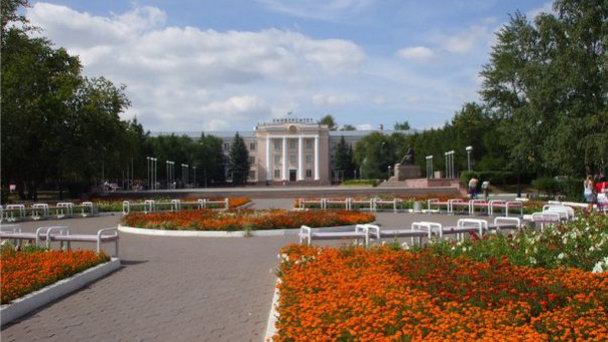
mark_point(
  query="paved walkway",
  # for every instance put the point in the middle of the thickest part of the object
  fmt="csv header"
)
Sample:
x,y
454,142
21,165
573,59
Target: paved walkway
x,y
172,289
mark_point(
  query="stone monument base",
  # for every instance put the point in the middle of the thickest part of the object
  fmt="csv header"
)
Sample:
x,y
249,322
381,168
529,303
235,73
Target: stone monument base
x,y
403,172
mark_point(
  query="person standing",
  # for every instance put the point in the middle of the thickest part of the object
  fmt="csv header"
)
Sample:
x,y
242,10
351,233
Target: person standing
x,y
588,192
485,187
473,187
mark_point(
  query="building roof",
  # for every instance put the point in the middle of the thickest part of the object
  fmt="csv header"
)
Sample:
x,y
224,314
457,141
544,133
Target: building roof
x,y
251,134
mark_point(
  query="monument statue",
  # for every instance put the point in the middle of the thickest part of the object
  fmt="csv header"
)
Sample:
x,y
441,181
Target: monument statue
x,y
408,159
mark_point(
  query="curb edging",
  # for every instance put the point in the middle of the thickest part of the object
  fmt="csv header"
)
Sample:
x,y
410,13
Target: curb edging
x,y
37,299
273,315
223,233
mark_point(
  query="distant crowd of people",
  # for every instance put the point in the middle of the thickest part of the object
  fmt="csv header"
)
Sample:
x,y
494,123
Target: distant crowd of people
x,y
595,190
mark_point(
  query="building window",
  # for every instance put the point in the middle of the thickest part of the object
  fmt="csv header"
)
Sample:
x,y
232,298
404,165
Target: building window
x,y
277,145
251,146
292,159
308,144
277,160
308,159
292,145
277,173
251,160
251,174
308,173
226,146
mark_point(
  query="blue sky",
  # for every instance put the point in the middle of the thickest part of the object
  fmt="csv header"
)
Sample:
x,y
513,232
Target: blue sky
x,y
226,65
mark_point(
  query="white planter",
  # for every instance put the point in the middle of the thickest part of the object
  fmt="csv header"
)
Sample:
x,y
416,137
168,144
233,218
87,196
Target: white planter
x,y
32,301
223,233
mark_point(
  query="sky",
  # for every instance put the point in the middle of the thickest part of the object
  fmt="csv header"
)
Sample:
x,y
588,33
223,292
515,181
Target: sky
x,y
227,65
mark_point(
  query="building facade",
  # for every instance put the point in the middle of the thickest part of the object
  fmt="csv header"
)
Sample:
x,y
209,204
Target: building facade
x,y
292,150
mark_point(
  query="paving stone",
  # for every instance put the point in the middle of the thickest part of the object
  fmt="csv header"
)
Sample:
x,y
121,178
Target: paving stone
x,y
177,289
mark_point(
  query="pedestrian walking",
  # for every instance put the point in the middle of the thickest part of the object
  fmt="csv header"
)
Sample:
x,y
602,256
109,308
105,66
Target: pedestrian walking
x,y
473,187
485,187
588,192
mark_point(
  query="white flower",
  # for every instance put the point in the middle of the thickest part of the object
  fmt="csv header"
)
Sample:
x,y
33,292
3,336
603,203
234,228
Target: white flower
x,y
561,256
601,266
532,261
598,268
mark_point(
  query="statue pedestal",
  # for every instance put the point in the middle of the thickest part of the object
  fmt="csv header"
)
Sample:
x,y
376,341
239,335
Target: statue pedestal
x,y
403,172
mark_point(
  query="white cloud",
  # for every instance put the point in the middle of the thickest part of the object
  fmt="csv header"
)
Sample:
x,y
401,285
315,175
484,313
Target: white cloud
x,y
180,77
417,53
331,100
364,127
379,100
317,9
546,8
466,41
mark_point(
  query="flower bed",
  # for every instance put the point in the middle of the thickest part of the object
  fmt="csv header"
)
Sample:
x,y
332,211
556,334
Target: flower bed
x,y
26,271
115,204
244,219
388,294
582,243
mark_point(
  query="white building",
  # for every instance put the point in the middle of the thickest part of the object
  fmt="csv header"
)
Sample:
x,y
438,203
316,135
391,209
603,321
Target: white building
x,y
291,150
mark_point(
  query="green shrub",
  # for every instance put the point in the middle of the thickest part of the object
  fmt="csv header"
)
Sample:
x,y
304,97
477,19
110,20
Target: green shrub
x,y
548,185
372,182
466,176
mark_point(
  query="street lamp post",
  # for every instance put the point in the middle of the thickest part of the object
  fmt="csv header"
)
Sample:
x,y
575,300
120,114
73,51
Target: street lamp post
x,y
170,173
429,167
148,160
185,174
469,150
154,172
389,172
449,164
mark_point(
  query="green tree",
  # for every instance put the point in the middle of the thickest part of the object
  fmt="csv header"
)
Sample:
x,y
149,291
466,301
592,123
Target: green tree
x,y
348,127
329,121
211,160
344,159
402,126
239,161
547,82
376,152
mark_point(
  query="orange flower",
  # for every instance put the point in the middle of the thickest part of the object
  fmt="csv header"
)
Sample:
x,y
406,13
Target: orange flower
x,y
25,272
239,220
384,294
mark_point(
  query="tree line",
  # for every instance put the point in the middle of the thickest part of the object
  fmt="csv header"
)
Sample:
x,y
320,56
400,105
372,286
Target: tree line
x,y
543,111
544,108
62,130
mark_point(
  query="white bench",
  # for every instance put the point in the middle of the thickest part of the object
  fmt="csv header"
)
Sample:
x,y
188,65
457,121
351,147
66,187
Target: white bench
x,y
567,213
434,202
465,226
103,236
63,209
379,203
15,233
333,202
546,217
39,210
361,232
11,209
507,206
414,232
505,222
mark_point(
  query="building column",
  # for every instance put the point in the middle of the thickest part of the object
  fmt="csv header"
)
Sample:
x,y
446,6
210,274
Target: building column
x,y
268,157
284,158
317,155
300,159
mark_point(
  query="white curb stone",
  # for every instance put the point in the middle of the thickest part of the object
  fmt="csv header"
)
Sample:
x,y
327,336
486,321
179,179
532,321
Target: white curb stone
x,y
32,301
273,316
223,233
